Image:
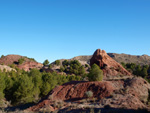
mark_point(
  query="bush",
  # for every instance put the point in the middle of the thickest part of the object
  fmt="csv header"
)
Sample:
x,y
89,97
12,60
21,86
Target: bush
x,y
21,61
62,69
2,56
89,94
46,62
57,62
2,86
96,74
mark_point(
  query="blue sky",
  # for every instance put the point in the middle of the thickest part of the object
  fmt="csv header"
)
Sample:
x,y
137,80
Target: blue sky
x,y
56,29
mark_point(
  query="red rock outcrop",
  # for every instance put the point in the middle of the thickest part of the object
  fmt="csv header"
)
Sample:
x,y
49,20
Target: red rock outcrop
x,y
109,66
27,66
75,90
10,59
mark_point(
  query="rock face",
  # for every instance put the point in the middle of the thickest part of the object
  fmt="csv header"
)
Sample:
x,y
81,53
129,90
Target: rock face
x,y
76,90
27,65
109,66
6,68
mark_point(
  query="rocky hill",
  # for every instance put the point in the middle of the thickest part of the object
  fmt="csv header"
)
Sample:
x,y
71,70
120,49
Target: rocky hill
x,y
126,93
20,62
130,94
126,58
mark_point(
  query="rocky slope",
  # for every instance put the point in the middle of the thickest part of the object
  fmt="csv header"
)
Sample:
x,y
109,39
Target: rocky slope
x,y
126,92
26,64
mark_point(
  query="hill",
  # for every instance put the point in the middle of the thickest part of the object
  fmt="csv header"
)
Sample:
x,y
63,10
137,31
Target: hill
x,y
126,58
21,62
119,90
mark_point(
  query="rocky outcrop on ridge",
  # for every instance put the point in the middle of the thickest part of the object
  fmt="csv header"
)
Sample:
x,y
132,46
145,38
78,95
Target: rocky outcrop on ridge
x,y
109,66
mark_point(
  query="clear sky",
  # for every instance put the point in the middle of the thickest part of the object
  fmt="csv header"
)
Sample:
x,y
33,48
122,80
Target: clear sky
x,y
56,29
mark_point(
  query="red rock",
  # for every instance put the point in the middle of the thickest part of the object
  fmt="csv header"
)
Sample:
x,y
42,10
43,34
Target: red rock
x,y
109,66
76,90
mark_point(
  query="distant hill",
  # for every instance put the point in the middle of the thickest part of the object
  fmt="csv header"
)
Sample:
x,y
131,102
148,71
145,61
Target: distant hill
x,y
126,58
21,62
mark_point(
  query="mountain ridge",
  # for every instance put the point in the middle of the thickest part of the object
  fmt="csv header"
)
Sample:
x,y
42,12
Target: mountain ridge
x,y
126,58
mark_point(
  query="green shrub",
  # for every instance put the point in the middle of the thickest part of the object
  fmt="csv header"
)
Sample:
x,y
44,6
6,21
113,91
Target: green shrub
x,y
2,86
96,74
89,94
62,69
46,62
57,62
21,61
23,87
2,56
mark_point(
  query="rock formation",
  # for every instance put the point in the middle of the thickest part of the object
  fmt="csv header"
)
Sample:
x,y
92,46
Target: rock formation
x,y
6,68
109,66
76,90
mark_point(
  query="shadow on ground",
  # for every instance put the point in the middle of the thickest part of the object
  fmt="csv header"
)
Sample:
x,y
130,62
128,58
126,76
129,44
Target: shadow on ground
x,y
110,110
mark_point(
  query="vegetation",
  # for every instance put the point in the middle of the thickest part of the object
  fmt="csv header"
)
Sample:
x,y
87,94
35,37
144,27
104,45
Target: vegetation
x,y
26,87
57,62
72,67
96,74
89,94
2,56
46,62
21,61
138,70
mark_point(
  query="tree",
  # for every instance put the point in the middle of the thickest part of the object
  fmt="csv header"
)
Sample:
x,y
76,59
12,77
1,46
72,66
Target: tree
x,y
21,60
2,86
46,62
57,62
144,72
62,69
82,70
2,56
96,74
65,63
24,90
